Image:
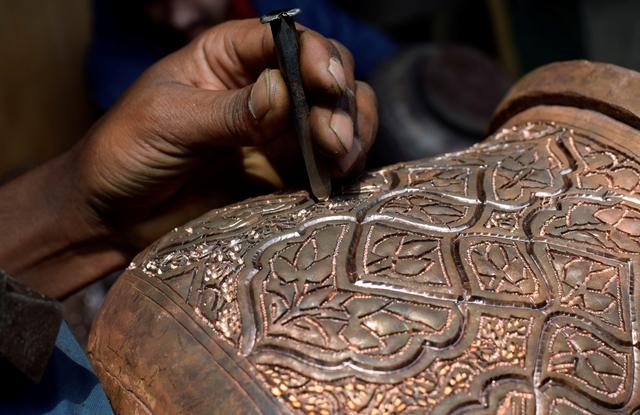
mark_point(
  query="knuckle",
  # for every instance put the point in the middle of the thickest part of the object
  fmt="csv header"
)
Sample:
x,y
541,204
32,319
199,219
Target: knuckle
x,y
343,52
240,124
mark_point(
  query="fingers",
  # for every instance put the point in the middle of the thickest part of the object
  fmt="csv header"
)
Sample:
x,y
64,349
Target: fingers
x,y
341,55
326,66
367,124
253,115
232,55
228,108
192,118
367,105
334,130
345,130
328,72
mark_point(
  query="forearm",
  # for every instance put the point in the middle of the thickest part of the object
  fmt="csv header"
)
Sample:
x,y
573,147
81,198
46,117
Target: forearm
x,y
48,239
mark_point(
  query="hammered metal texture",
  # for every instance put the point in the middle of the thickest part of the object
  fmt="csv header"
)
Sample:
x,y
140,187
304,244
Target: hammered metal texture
x,y
499,279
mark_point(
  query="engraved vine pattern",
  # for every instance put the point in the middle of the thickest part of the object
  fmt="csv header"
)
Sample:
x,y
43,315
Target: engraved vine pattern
x,y
429,284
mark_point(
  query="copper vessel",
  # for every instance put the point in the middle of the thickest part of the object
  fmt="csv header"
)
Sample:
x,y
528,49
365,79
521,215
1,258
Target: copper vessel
x,y
499,279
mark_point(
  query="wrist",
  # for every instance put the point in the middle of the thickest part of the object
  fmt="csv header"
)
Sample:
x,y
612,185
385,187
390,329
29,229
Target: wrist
x,y
51,240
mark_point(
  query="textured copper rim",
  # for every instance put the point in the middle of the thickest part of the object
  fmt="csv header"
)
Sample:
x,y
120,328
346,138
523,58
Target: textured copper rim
x,y
605,88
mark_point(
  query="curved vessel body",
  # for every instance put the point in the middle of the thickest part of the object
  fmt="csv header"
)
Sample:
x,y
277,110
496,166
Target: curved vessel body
x,y
499,279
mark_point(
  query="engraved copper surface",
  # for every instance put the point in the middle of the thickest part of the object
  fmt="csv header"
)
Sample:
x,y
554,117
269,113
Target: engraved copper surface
x,y
500,279
433,284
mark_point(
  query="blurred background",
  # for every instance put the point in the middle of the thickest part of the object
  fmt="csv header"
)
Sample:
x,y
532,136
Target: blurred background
x,y
439,67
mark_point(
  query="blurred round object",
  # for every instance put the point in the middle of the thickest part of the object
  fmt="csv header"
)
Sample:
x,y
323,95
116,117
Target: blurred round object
x,y
434,99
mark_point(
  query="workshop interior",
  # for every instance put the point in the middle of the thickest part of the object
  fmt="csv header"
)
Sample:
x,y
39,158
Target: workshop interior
x,y
485,261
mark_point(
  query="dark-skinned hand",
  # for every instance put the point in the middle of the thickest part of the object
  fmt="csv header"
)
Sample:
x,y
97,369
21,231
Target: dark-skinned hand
x,y
203,127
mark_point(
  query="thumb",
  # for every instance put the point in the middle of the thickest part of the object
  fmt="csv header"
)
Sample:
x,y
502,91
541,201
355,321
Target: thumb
x,y
253,115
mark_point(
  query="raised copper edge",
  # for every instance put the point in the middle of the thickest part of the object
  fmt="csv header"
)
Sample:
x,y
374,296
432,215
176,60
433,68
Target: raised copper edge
x,y
605,88
228,362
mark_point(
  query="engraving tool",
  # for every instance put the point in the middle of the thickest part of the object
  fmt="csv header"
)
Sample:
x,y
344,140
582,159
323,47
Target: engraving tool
x,y
285,38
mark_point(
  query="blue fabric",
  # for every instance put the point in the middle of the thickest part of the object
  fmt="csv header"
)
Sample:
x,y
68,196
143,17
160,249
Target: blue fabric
x,y
118,57
368,45
68,386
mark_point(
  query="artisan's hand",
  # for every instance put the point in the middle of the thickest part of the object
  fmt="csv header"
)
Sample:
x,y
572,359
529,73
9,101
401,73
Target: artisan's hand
x,y
179,129
189,114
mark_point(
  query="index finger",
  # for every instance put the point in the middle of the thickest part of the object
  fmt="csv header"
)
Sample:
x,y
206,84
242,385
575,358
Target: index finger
x,y
233,54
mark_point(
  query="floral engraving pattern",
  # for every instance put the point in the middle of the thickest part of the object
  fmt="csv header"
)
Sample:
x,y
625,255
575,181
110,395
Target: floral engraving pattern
x,y
603,168
406,259
431,284
428,209
500,268
305,301
456,180
591,286
526,170
499,342
605,226
591,364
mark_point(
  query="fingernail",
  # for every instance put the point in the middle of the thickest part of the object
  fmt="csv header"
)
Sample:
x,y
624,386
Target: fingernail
x,y
260,96
337,71
342,126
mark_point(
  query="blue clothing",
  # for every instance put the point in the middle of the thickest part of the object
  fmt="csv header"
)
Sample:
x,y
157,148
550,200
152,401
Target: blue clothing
x,y
68,387
118,56
368,46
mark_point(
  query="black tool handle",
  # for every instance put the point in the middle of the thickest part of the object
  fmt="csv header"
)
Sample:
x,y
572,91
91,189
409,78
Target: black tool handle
x,y
288,51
